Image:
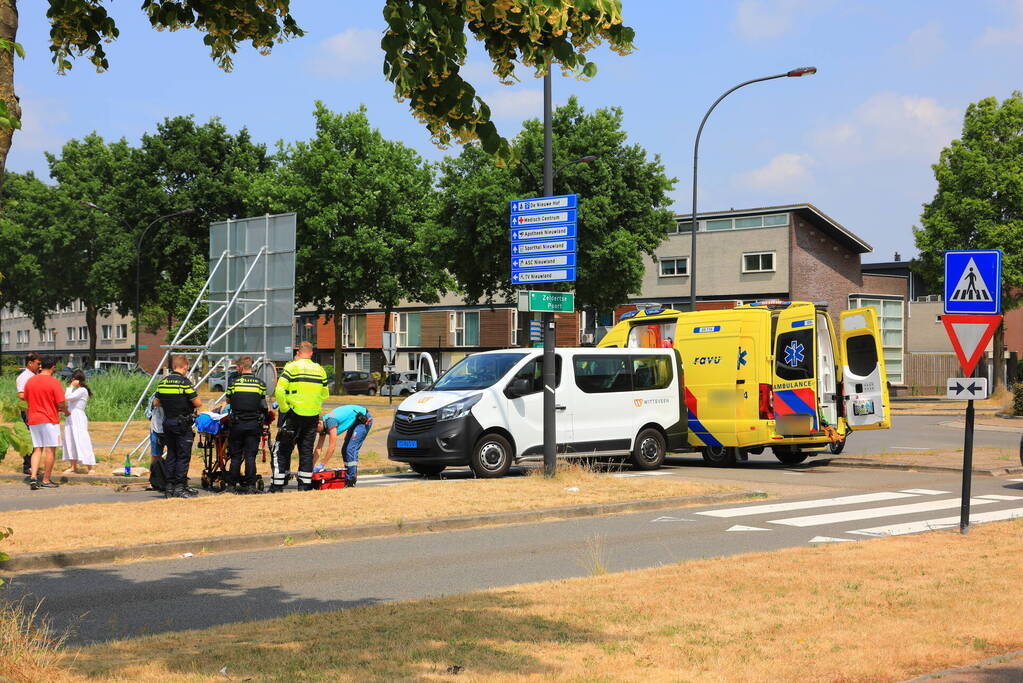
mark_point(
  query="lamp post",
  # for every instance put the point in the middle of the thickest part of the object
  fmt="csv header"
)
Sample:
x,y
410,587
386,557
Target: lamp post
x,y
138,260
794,73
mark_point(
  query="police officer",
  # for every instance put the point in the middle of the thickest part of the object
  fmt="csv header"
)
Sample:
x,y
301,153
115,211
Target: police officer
x,y
176,395
300,392
246,394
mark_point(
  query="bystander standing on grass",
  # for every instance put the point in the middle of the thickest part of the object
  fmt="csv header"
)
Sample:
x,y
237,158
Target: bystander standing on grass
x,y
31,368
77,442
45,398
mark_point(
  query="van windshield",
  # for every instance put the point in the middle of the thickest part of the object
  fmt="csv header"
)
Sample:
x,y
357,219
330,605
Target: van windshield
x,y
477,372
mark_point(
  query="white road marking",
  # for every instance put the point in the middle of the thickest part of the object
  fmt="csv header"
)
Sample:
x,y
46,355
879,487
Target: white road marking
x,y
740,527
925,492
1016,480
798,474
997,496
873,513
829,539
671,519
909,448
625,475
771,508
935,524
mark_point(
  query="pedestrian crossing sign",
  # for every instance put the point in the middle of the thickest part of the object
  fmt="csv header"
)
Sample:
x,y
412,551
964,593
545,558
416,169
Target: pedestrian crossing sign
x,y
973,281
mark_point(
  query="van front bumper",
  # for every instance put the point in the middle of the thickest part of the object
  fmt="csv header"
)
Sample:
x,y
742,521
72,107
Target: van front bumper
x,y
438,443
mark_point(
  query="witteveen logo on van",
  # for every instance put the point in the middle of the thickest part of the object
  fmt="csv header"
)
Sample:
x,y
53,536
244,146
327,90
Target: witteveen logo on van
x,y
640,402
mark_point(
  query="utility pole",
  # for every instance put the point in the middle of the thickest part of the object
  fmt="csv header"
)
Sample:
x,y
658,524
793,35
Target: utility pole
x,y
550,432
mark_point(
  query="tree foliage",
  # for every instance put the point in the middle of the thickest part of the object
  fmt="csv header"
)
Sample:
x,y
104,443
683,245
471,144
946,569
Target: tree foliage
x,y
979,200
623,214
363,203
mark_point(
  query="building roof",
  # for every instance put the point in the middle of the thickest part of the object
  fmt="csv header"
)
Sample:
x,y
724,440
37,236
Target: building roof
x,y
821,220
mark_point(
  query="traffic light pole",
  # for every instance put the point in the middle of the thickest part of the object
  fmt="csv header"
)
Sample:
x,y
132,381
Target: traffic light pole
x,y
550,431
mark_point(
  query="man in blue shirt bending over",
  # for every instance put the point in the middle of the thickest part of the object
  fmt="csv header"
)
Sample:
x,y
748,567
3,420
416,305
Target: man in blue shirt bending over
x,y
355,421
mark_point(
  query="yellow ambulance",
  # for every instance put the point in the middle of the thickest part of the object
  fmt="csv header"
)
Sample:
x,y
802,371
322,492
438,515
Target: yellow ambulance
x,y
769,375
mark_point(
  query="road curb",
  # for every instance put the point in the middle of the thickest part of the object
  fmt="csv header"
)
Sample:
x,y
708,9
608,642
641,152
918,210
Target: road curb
x,y
969,668
277,539
76,479
873,464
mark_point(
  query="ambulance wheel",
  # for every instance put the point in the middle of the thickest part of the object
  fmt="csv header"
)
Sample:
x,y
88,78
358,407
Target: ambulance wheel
x,y
649,451
491,457
837,447
425,469
789,455
720,456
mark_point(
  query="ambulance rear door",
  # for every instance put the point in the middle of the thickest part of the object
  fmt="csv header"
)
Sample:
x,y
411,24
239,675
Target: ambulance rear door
x,y
864,381
795,371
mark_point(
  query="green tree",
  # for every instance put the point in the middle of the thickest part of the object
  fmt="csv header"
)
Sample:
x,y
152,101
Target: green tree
x,y
979,201
424,46
29,209
623,213
363,203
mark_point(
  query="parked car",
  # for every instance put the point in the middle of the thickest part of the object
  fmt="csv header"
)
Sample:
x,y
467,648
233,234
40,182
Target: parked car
x,y
400,384
217,382
359,382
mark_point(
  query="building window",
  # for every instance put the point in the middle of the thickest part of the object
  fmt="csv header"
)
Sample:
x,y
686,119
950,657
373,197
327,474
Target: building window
x,y
674,267
680,228
121,332
362,362
71,334
6,339
773,221
21,336
106,332
889,317
83,333
408,326
465,328
722,224
758,262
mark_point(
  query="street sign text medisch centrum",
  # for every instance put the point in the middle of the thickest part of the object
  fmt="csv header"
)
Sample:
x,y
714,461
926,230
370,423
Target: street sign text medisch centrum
x,y
546,302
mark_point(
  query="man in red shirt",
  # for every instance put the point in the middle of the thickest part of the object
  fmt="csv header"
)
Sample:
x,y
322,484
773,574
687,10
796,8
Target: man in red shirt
x,y
45,397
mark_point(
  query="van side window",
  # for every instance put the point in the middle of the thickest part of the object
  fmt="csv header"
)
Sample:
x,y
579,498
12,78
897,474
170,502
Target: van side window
x,y
861,354
533,371
651,372
603,374
793,355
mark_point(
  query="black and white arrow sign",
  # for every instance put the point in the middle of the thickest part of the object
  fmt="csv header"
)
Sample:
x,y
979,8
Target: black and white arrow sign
x,y
966,388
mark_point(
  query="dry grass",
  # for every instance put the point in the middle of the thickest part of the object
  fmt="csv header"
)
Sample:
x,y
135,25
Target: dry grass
x,y
130,523
983,457
878,610
29,649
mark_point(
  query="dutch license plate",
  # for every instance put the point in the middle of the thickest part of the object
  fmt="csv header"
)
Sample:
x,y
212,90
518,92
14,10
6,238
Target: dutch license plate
x,y
408,443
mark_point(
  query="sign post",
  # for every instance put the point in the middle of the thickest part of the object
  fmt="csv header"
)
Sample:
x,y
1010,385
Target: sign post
x,y
543,249
390,349
973,306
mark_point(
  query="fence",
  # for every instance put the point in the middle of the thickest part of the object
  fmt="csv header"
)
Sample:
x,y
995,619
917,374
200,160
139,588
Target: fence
x,y
927,373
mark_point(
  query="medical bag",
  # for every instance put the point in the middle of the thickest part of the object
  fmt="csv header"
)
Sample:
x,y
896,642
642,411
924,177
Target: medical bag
x,y
330,479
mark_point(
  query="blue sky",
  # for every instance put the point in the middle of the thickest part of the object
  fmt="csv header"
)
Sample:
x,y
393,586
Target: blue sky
x,y
857,139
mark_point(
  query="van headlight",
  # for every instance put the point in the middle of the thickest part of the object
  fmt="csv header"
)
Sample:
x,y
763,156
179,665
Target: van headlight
x,y
453,411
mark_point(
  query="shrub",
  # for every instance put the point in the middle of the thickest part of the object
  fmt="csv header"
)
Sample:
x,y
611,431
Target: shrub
x,y
1017,399
113,396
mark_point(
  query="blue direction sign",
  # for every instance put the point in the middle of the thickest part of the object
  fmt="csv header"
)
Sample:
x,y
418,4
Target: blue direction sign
x,y
546,233
525,220
524,277
565,201
973,281
546,261
543,247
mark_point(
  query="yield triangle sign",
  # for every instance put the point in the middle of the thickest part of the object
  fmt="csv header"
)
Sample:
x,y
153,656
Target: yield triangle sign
x,y
970,335
971,285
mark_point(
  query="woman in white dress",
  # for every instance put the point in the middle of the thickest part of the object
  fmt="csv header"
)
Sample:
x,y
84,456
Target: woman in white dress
x,y
77,443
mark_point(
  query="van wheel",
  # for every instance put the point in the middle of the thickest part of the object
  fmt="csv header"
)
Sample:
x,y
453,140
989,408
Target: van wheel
x,y
427,470
789,455
837,447
648,454
492,457
720,456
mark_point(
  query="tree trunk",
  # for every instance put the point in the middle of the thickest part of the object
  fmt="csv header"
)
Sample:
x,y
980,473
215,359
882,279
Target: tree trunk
x,y
90,321
339,353
8,31
998,366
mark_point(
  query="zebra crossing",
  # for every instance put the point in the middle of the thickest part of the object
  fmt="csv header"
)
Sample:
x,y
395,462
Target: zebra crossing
x,y
849,512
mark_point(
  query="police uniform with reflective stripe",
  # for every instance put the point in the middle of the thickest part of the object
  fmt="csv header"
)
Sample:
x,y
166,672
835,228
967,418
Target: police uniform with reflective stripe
x,y
176,394
300,392
246,395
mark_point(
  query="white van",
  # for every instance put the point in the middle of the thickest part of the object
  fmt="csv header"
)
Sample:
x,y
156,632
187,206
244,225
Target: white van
x,y
487,410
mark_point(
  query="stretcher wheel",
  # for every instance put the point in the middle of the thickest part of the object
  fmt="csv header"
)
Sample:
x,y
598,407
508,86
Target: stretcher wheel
x,y
837,447
259,484
218,485
204,482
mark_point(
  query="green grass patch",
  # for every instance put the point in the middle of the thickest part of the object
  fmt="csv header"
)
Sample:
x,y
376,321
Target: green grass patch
x,y
113,396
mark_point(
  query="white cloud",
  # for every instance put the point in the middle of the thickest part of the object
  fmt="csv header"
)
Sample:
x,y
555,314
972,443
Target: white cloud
x,y
784,172
890,126
925,44
351,54
1009,34
517,103
763,19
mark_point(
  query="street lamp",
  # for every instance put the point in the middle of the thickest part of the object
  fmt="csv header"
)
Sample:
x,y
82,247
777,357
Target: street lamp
x,y
138,260
793,73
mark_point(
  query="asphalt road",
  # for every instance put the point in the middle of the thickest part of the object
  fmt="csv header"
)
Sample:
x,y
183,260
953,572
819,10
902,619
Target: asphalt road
x,y
908,433
112,601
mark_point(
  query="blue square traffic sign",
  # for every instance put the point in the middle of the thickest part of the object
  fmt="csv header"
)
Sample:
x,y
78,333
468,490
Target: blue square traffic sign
x,y
973,281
